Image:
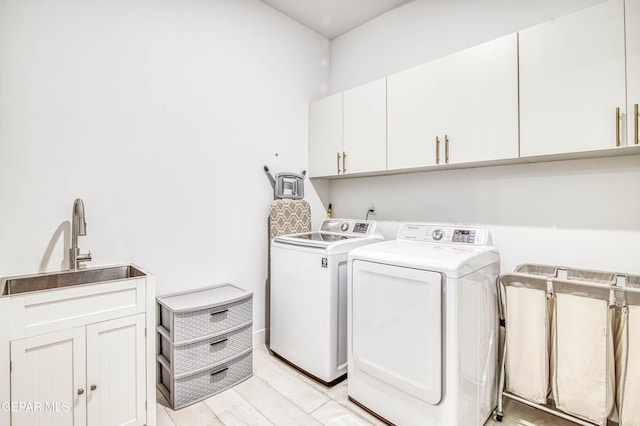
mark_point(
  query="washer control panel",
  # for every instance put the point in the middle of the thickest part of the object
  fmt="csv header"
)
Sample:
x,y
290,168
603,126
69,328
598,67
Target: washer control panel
x,y
446,234
348,226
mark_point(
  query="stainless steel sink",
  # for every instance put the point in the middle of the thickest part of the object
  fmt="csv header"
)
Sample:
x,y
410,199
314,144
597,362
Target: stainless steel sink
x,y
52,280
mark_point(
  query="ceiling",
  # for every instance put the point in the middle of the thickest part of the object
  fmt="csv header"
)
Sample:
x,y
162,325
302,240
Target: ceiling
x,y
332,18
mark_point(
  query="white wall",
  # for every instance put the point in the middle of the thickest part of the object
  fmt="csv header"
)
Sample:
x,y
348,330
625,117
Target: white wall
x,y
581,213
160,115
422,30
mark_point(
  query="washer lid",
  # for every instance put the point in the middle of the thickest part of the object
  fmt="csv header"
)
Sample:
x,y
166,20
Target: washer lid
x,y
313,239
333,232
329,241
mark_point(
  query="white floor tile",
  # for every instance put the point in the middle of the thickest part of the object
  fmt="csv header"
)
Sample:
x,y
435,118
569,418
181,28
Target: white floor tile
x,y
505,422
272,404
233,410
197,414
529,416
362,413
335,414
339,392
162,418
280,395
271,371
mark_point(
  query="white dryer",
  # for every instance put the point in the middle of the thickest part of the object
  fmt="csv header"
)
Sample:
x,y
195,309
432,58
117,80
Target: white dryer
x,y
309,296
423,325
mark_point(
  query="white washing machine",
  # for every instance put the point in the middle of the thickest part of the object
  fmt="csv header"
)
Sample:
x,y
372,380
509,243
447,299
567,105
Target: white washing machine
x,y
309,296
423,326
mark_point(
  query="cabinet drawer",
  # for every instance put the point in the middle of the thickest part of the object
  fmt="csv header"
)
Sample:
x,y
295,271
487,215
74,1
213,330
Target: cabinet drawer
x,y
197,314
198,386
185,326
49,311
194,356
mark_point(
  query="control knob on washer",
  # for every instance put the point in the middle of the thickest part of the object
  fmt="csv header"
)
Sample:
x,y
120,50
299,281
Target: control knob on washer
x,y
437,234
344,227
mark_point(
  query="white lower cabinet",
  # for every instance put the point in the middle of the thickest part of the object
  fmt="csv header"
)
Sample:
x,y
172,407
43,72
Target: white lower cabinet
x,y
116,372
91,375
80,354
47,371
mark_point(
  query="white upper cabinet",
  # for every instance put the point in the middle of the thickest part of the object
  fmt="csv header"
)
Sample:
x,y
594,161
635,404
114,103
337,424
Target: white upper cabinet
x,y
347,131
414,116
365,128
632,15
572,82
481,101
459,109
325,136
565,88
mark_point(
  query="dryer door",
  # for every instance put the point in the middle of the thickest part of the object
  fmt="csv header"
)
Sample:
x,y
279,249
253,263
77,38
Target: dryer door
x,y
397,327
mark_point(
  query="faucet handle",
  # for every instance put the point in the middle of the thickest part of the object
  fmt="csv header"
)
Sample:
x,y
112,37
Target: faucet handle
x,y
85,257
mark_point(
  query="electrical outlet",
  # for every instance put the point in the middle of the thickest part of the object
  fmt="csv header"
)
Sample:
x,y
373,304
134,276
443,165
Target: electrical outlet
x,y
372,208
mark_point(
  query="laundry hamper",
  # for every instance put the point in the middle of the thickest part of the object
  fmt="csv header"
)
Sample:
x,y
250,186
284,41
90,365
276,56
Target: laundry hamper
x,y
527,313
583,364
628,356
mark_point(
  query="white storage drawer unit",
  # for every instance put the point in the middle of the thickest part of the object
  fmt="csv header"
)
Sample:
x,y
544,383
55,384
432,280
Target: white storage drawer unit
x,y
204,342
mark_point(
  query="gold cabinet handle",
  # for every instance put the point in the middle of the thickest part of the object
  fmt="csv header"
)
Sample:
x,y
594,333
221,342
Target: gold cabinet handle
x,y
437,150
338,162
618,126
446,149
344,164
635,123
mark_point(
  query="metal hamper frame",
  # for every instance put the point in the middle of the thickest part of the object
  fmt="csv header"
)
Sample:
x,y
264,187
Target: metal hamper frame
x,y
617,290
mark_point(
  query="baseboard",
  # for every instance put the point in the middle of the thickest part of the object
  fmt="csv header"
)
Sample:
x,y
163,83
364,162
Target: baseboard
x,y
259,337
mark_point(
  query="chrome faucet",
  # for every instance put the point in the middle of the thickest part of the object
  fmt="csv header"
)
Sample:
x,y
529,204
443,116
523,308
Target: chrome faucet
x,y
78,227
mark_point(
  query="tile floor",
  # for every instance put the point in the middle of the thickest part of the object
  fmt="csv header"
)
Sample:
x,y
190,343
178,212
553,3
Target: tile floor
x,y
279,395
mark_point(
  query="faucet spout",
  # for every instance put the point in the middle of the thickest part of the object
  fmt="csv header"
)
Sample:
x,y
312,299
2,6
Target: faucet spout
x,y
78,227
78,207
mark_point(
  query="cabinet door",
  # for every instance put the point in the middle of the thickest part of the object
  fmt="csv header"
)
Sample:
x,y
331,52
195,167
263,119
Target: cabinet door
x,y
571,81
632,16
365,128
48,375
414,116
481,102
116,372
325,136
